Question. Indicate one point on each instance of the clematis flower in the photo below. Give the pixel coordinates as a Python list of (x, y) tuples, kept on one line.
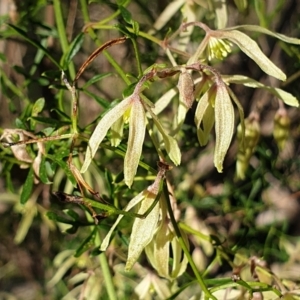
[(137, 125), (164, 251), (143, 229), (134, 107)]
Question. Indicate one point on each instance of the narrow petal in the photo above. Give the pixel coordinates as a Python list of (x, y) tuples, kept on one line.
[(170, 143), (130, 205), (286, 97), (251, 49), (204, 114), (142, 230), (101, 130), (137, 128), (224, 123), (117, 132)]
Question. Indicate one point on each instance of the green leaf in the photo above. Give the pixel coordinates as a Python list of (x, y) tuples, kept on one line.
[(20, 124), (43, 171), (55, 217), (125, 14), (135, 27), (27, 187), (87, 243), (48, 121), (96, 78), (70, 212), (36, 109), (73, 49), (103, 102), (25, 35), (64, 166)]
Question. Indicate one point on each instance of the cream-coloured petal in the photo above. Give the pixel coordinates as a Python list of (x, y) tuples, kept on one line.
[(204, 114), (170, 143), (101, 130), (224, 123), (142, 230), (130, 205), (158, 251), (251, 49), (137, 128), (286, 97), (117, 132)]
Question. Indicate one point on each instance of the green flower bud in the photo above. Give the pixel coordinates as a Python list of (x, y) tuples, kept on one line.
[(247, 144), (281, 131)]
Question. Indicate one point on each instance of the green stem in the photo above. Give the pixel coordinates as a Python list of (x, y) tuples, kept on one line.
[(92, 34), (106, 272), (62, 35), (137, 57), (184, 247)]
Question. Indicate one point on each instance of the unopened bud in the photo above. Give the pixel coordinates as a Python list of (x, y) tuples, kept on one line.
[(186, 88), (247, 144), (281, 131)]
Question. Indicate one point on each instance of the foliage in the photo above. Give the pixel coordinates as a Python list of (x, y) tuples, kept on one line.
[(144, 166)]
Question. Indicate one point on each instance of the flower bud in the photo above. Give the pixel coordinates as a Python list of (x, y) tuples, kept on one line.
[(247, 144), (281, 131), (186, 88)]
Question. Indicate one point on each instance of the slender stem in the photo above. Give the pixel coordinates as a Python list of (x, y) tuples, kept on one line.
[(92, 34), (184, 247), (61, 28), (64, 45), (106, 272), (137, 57)]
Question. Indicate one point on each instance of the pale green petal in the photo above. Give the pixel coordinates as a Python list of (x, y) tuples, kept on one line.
[(221, 13), (204, 114), (251, 49), (137, 128), (257, 28), (117, 132), (164, 101), (101, 130), (286, 97), (158, 251), (142, 230), (130, 205), (189, 13), (170, 143), (180, 260), (180, 117), (168, 13), (224, 124)]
